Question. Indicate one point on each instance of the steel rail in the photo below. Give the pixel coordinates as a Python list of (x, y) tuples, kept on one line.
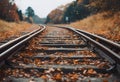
[(63, 63), (102, 47), (107, 53), (15, 45), (15, 41), (108, 43), (112, 45)]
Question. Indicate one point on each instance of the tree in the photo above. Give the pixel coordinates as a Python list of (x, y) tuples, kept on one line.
[(20, 15), (55, 16), (30, 12), (76, 11), (8, 10), (69, 13)]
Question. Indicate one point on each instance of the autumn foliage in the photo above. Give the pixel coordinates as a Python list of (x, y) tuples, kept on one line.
[(105, 5), (55, 16), (80, 9), (8, 11)]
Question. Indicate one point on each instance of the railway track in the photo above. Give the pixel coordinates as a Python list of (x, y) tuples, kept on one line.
[(58, 54)]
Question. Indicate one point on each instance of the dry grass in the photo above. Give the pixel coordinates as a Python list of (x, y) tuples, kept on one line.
[(11, 29), (105, 24)]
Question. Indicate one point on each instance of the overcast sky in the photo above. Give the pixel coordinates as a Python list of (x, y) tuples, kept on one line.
[(41, 7)]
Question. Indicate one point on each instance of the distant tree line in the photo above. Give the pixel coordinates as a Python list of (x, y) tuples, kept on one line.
[(71, 13), (81, 9)]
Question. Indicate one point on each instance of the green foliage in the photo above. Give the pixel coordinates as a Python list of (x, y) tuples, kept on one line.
[(69, 13), (20, 15), (30, 12), (76, 12), (47, 20), (86, 2)]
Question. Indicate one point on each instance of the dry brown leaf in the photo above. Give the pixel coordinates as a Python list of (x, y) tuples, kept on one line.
[(75, 77), (76, 61), (58, 76), (105, 80), (44, 77), (91, 72)]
